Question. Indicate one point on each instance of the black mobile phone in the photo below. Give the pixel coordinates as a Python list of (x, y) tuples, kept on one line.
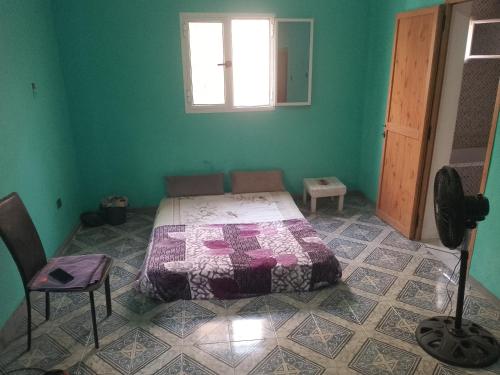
[(61, 275)]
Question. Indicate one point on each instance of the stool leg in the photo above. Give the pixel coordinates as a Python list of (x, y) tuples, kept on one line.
[(47, 305), (94, 320), (304, 196), (313, 204), (107, 289), (341, 202)]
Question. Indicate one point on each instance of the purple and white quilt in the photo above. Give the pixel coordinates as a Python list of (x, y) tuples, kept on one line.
[(236, 260)]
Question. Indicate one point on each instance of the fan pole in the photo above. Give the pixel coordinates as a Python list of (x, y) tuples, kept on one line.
[(464, 256)]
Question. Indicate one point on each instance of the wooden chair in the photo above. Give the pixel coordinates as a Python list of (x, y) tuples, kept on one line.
[(21, 237)]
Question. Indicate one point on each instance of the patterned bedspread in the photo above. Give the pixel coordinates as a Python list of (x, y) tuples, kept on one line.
[(235, 260)]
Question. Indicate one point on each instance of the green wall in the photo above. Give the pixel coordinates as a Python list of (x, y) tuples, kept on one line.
[(36, 153), (485, 260), (123, 73)]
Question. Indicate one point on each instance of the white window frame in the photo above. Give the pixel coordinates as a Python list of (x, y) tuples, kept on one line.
[(225, 19), (470, 37)]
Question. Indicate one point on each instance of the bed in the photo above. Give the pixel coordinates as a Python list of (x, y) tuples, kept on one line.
[(233, 246)]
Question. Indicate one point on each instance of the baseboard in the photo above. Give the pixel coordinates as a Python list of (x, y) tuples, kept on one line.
[(15, 326)]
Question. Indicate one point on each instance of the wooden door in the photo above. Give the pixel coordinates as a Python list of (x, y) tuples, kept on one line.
[(407, 126)]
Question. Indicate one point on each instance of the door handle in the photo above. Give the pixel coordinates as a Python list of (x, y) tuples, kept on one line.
[(227, 64)]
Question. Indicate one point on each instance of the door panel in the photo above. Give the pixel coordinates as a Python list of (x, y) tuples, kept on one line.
[(415, 53)]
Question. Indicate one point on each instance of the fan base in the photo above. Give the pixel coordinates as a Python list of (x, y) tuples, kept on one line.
[(470, 346)]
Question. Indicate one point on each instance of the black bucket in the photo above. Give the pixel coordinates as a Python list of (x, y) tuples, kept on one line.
[(115, 215)]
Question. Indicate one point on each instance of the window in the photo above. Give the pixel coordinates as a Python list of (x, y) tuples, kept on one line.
[(228, 62)]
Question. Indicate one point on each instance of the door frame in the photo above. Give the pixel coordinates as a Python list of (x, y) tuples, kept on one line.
[(435, 83), (486, 166)]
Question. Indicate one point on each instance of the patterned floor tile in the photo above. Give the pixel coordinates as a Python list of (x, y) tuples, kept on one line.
[(136, 261), (321, 336), (184, 364), (223, 303), (45, 353), (81, 369), (447, 370), (72, 249), (494, 368), (182, 321), (255, 306), (96, 236), (62, 303), (80, 326), (345, 248), (193, 309), (303, 297), (275, 304), (400, 323), (284, 361), (278, 318), (482, 312), (371, 281), (192, 323), (144, 234), (433, 269), (135, 222), (378, 358), (371, 219), (361, 232), (134, 350), (123, 247), (119, 277), (425, 296), (343, 265), (136, 302), (328, 225), (395, 239), (348, 305), (390, 259), (251, 327), (230, 353)]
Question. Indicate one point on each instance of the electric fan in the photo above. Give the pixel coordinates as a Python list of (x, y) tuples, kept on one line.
[(454, 340)]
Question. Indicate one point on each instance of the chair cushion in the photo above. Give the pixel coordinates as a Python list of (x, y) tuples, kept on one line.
[(86, 270)]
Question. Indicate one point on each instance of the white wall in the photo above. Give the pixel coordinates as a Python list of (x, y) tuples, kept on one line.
[(448, 108)]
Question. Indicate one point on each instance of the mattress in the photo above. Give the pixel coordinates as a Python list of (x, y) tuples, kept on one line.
[(233, 246), (227, 209)]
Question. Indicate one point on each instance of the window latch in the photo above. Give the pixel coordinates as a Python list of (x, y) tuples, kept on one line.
[(227, 64)]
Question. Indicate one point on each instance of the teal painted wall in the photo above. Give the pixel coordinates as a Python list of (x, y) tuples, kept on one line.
[(123, 73), (36, 153), (486, 260), (381, 23)]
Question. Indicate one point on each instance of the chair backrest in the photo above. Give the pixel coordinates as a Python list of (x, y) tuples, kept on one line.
[(21, 237)]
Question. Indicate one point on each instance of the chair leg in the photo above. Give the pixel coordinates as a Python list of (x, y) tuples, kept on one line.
[(94, 320), (47, 305), (107, 288), (28, 306)]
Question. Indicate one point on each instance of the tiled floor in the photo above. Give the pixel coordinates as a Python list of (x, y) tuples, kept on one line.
[(364, 324)]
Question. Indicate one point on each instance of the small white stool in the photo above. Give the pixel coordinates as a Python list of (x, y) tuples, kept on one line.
[(316, 189)]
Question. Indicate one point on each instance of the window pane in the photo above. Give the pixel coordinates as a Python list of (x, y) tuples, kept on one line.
[(251, 62), (206, 49)]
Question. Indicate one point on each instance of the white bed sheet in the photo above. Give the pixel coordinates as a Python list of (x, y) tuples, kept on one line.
[(227, 209)]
